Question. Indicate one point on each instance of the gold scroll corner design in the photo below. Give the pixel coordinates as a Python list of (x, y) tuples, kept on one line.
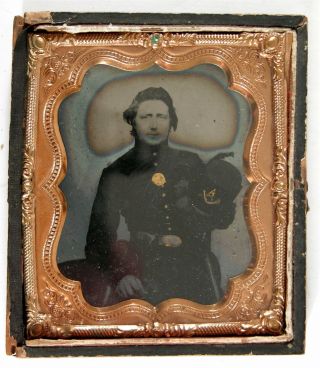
[(55, 320), (41, 324), (270, 321)]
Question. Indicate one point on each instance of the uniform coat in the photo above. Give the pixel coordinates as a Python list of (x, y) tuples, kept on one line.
[(162, 193)]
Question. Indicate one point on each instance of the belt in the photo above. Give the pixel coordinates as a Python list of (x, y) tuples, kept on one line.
[(166, 240)]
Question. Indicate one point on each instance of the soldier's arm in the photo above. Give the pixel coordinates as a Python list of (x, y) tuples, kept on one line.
[(104, 221)]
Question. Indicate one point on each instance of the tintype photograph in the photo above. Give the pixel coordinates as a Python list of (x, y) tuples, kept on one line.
[(159, 185), (155, 185)]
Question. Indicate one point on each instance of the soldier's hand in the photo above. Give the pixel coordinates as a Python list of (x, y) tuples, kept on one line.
[(130, 286)]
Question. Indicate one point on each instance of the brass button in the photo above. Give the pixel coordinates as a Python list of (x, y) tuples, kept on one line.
[(169, 228), (163, 194), (156, 164), (167, 217), (165, 206)]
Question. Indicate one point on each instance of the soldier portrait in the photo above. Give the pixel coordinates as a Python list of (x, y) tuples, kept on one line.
[(170, 202)]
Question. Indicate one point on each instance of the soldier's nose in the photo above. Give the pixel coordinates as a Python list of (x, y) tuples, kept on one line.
[(153, 125)]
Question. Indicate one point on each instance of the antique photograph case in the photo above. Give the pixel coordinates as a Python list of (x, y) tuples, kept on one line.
[(159, 186)]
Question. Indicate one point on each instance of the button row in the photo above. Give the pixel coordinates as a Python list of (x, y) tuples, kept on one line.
[(167, 216)]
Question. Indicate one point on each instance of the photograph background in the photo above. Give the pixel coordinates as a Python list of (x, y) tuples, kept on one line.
[(212, 120), (310, 8)]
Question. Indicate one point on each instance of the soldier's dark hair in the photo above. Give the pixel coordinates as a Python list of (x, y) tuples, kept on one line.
[(151, 93)]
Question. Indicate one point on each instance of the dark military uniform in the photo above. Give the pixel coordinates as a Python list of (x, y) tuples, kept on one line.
[(171, 202)]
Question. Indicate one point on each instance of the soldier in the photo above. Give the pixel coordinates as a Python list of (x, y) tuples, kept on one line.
[(171, 202)]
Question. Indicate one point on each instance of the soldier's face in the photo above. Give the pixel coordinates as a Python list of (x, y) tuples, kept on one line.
[(152, 122)]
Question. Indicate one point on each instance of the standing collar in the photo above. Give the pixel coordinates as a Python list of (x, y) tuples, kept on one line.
[(145, 153)]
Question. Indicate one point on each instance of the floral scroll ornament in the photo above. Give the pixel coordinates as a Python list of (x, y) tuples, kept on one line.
[(252, 65), (55, 322), (254, 301), (56, 66), (41, 324), (269, 321), (59, 306), (38, 48), (272, 50), (270, 47)]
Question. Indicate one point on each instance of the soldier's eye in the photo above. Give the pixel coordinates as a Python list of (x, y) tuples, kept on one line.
[(145, 116)]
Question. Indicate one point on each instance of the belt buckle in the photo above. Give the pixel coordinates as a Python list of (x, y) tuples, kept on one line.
[(170, 241)]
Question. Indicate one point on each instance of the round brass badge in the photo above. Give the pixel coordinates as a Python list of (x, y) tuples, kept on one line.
[(158, 179)]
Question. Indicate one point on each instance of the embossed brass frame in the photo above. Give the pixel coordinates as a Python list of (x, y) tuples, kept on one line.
[(257, 305)]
